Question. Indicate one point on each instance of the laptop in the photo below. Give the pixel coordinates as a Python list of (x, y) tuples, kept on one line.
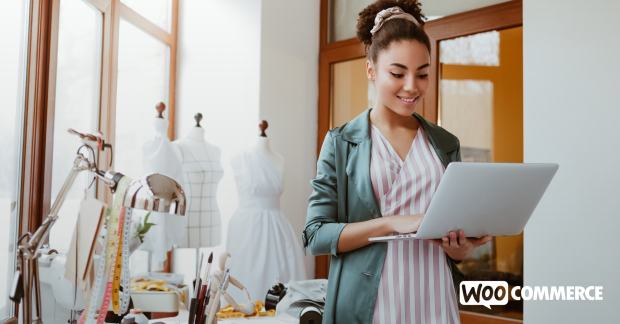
[(482, 199)]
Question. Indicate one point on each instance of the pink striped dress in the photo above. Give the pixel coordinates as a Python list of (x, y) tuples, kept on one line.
[(416, 284)]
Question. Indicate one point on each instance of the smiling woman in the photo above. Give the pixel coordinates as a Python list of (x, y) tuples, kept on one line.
[(376, 175)]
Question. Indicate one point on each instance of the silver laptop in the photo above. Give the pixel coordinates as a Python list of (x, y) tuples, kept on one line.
[(483, 198)]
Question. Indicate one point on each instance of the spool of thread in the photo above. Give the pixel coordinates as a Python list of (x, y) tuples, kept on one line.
[(310, 315)]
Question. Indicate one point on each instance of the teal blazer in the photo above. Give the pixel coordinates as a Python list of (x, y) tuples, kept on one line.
[(342, 193)]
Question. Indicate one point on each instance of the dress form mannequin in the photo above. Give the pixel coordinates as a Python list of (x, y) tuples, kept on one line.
[(202, 172), (158, 153), (158, 157), (264, 247), (263, 145)]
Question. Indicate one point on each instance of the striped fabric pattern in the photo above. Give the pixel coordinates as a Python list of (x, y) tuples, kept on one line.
[(416, 284)]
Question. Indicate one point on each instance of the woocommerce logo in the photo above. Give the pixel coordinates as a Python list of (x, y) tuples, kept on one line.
[(491, 293)]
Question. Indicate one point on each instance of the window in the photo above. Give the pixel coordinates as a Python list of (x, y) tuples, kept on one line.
[(342, 18), (113, 62), (156, 11), (68, 64), (142, 82), (480, 101), (78, 66), (13, 17)]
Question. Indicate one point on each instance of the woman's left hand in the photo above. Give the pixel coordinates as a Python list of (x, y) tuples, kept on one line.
[(458, 247)]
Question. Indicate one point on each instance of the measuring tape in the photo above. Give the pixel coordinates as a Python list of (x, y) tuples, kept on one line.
[(103, 311), (102, 288), (110, 261), (125, 275), (120, 298), (118, 265), (99, 287)]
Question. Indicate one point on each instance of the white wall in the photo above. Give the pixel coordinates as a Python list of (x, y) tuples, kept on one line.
[(571, 116), (289, 97), (245, 60), (218, 75)]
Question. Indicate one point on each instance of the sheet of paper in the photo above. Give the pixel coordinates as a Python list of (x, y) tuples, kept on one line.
[(81, 249)]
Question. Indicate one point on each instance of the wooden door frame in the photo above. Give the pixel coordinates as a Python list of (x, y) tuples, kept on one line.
[(329, 54), (496, 17), (31, 198)]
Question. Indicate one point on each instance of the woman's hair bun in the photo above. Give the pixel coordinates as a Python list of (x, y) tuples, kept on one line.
[(366, 18)]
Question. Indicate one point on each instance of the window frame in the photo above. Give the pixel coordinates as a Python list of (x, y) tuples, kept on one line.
[(113, 11)]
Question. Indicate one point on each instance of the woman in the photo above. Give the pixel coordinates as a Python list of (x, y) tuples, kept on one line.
[(376, 176)]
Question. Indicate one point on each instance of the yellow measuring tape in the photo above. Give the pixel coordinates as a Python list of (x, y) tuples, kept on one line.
[(115, 246), (118, 265), (99, 298)]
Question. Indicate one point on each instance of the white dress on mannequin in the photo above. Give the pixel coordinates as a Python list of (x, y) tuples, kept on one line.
[(263, 245), (158, 157), (202, 172)]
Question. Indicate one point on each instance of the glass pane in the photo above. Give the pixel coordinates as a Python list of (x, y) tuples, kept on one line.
[(439, 9), (343, 18), (467, 103), (13, 17), (142, 82), (79, 67), (157, 11), (481, 102), (351, 92), (478, 49)]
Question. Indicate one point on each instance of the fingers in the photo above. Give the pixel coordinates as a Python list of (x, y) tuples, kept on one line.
[(453, 240), (462, 238), (457, 239), (458, 246), (481, 240)]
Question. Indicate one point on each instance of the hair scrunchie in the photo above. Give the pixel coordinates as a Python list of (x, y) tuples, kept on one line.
[(391, 13)]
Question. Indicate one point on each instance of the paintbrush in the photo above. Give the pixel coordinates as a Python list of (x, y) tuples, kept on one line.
[(194, 300), (204, 291)]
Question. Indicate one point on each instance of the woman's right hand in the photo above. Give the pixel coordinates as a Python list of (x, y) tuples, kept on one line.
[(404, 223), (355, 235)]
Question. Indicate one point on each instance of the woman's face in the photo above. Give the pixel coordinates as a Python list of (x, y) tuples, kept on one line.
[(400, 75)]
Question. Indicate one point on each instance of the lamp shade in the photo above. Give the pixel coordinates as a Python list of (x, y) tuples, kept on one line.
[(157, 193)]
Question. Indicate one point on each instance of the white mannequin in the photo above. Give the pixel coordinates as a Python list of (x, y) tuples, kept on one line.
[(202, 171), (196, 134), (263, 145), (157, 153), (158, 157), (264, 247)]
